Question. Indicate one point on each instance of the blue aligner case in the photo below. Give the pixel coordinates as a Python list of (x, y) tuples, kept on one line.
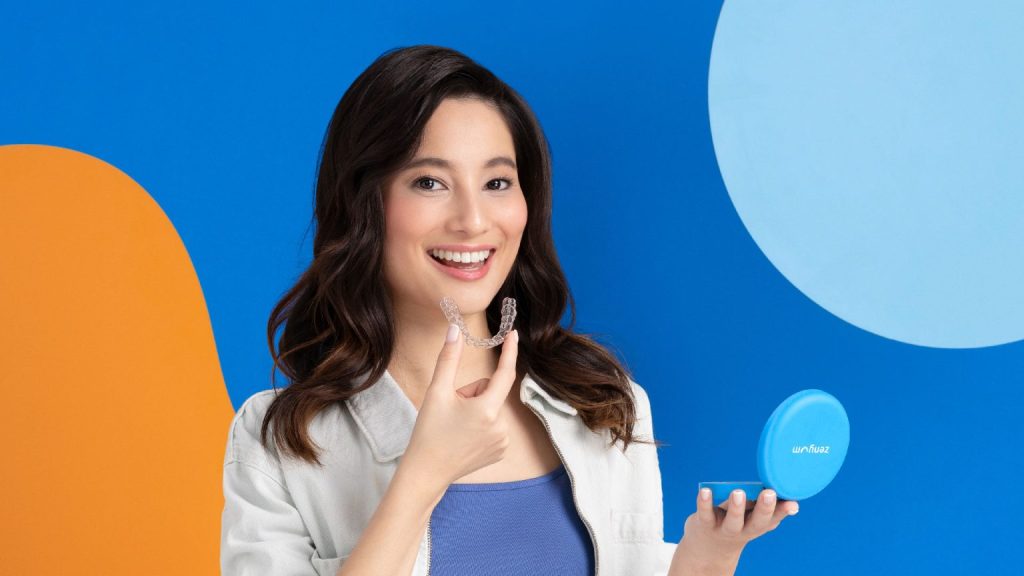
[(801, 450)]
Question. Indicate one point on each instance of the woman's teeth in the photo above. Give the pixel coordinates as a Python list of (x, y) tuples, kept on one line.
[(464, 257)]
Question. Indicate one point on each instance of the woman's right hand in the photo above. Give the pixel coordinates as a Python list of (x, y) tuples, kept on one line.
[(460, 430)]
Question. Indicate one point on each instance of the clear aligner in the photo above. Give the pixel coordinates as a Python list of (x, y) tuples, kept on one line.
[(508, 315)]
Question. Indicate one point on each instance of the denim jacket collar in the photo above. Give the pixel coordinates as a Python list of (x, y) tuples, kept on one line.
[(386, 417)]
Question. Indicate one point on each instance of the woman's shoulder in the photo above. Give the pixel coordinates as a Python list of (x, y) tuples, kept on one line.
[(642, 404), (643, 401), (328, 428), (244, 443)]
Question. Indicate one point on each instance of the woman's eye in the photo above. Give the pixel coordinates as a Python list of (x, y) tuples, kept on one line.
[(428, 180), (507, 182)]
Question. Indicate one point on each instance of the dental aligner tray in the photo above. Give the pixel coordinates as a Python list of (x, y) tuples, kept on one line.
[(508, 317)]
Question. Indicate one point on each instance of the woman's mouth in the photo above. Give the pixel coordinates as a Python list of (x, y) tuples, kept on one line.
[(463, 265)]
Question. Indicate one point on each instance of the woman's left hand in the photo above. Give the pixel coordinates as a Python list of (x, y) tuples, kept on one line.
[(716, 535)]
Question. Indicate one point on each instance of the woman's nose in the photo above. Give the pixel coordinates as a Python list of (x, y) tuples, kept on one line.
[(469, 214)]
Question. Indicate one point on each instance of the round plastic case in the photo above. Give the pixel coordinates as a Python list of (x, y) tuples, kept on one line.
[(802, 448)]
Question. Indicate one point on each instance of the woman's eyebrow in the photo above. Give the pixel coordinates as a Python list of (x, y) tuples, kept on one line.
[(442, 163)]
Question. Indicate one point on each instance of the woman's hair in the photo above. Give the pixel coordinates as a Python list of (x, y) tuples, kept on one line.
[(338, 317)]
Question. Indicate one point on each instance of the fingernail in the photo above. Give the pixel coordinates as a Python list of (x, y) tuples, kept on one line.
[(769, 497), (737, 496), (453, 333), (705, 494), (793, 511)]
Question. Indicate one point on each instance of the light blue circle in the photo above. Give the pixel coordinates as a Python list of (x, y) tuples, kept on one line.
[(875, 152)]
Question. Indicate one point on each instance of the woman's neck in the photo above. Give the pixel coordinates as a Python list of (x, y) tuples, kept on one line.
[(418, 344)]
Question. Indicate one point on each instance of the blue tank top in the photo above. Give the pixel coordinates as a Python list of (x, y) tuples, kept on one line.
[(510, 528)]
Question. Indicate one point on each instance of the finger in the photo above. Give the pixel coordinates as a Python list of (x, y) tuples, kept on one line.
[(782, 511), (748, 505), (505, 374), (761, 518), (473, 388), (734, 517), (786, 508), (705, 509), (447, 361)]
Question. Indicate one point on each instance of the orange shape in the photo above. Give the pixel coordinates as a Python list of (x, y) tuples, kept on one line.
[(115, 410)]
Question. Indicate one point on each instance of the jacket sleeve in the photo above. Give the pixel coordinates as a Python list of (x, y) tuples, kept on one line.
[(262, 532), (664, 551)]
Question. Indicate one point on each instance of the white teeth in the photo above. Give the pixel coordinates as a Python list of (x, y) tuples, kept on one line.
[(478, 256)]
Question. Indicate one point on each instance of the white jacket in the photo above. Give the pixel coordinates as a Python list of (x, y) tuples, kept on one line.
[(289, 518)]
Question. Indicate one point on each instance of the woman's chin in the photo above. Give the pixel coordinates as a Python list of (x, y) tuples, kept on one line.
[(469, 302)]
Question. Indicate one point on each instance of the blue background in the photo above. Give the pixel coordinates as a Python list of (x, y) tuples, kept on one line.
[(218, 111)]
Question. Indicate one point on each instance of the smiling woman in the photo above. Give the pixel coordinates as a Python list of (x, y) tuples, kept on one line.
[(434, 183)]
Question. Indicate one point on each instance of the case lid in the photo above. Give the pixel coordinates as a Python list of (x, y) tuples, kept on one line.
[(803, 444)]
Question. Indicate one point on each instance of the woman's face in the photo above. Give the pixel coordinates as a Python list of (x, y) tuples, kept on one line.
[(460, 193)]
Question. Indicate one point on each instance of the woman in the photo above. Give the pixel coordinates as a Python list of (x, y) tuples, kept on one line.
[(385, 455)]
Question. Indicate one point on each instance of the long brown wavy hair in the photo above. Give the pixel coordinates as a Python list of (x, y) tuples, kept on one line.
[(338, 322)]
